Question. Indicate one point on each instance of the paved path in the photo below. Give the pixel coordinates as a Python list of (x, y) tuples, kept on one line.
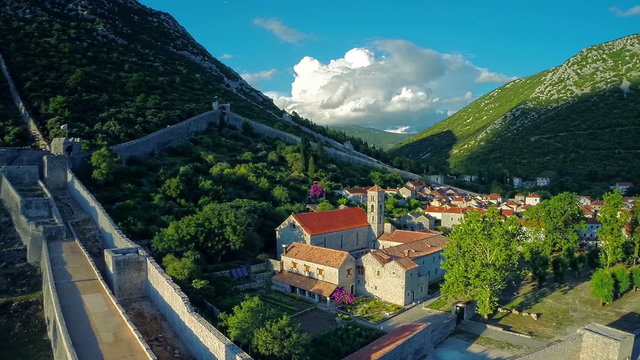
[(96, 328)]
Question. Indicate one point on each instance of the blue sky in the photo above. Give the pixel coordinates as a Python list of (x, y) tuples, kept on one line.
[(403, 55)]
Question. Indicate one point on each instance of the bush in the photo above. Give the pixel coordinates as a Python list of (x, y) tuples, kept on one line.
[(602, 286), (622, 280)]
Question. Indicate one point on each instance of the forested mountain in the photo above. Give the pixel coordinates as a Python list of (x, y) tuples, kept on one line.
[(578, 123), (113, 70)]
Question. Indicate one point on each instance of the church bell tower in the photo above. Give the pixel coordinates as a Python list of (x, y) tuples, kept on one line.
[(375, 210)]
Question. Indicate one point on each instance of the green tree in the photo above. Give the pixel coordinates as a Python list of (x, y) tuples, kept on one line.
[(104, 163), (602, 286), (246, 318), (481, 254), (281, 339), (635, 277), (622, 279), (281, 194), (183, 269), (556, 223), (610, 235), (634, 225), (312, 166), (325, 205)]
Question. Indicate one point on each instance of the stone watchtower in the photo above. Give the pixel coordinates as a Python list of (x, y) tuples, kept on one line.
[(375, 210)]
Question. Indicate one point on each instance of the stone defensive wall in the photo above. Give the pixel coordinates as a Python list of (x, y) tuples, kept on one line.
[(33, 128), (132, 273), (180, 132), (592, 342), (34, 218), (56, 326)]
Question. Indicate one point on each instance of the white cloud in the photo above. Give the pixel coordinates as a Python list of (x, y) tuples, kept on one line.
[(253, 78), (400, 130), (226, 56), (281, 30), (622, 13), (392, 85)]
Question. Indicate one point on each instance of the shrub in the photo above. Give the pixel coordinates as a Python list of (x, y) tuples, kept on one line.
[(602, 286), (622, 280)]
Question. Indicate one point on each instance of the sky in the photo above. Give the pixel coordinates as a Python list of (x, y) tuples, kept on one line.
[(394, 65)]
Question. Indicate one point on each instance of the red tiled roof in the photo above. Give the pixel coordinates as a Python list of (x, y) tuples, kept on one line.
[(597, 203), (533, 195), (452, 210), (306, 283), (519, 194), (404, 236), (410, 251), (357, 190), (323, 222), (508, 213), (316, 254), (375, 188), (494, 196), (386, 343)]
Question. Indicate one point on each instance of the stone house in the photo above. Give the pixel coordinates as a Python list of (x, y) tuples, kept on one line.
[(358, 194), (401, 274), (399, 237), (532, 199), (314, 272), (520, 197), (349, 229), (416, 221), (407, 193), (417, 186)]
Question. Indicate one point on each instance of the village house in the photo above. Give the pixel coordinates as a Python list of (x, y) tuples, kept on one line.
[(494, 198), (532, 199), (401, 274), (399, 237), (622, 186), (357, 194), (407, 193), (349, 229), (597, 205), (448, 216), (416, 221), (417, 186), (584, 200), (314, 272), (520, 197), (543, 181), (590, 233)]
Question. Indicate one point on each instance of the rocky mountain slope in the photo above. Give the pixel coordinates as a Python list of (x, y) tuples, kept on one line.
[(578, 123), (114, 70)]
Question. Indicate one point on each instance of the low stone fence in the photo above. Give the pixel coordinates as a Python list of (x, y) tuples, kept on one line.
[(475, 327)]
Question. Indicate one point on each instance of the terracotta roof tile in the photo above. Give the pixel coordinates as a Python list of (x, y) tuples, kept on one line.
[(386, 343), (316, 254), (404, 236), (323, 222), (404, 254), (375, 188), (533, 195), (306, 283)]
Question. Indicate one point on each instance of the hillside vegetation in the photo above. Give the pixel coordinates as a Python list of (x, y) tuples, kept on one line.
[(114, 70), (577, 123)]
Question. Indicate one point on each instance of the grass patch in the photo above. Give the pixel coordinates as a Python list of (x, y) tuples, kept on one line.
[(338, 343), (438, 304), (565, 308), (373, 310)]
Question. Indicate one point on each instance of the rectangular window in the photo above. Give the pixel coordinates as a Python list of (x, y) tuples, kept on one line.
[(375, 287), (293, 225), (378, 273), (360, 269), (306, 268), (433, 259), (436, 271), (340, 241), (421, 289), (320, 271), (294, 265), (349, 272)]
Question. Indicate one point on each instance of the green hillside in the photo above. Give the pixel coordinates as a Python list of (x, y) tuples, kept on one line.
[(113, 70), (578, 123), (379, 138)]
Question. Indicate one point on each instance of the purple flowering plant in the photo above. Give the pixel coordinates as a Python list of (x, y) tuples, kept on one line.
[(341, 296), (316, 192)]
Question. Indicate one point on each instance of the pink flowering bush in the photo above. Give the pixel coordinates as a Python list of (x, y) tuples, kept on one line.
[(316, 192), (341, 296)]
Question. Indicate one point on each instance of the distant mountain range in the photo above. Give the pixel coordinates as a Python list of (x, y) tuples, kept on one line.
[(379, 138), (578, 123)]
